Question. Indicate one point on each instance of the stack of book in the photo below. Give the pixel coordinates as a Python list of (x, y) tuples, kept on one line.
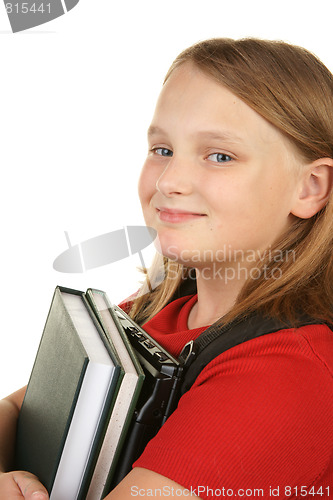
[(100, 388)]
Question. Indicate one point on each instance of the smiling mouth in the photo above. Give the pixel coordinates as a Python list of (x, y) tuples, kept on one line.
[(176, 215)]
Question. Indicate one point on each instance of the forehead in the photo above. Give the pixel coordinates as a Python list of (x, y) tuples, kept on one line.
[(190, 100)]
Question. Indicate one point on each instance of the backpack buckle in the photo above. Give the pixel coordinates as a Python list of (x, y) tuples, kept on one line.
[(188, 353)]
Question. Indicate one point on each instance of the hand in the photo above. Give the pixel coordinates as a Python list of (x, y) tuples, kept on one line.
[(20, 484)]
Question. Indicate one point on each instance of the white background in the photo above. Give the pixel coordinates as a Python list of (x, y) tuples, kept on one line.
[(76, 97)]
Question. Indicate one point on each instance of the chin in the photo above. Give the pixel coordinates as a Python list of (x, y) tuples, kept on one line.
[(175, 246), (174, 253)]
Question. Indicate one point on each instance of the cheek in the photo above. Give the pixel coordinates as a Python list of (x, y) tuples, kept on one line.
[(239, 204), (227, 197), (141, 189), (144, 185), (146, 191)]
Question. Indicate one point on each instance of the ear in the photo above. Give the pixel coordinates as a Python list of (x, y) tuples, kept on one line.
[(314, 189)]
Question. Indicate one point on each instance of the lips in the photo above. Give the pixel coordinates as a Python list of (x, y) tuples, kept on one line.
[(175, 215)]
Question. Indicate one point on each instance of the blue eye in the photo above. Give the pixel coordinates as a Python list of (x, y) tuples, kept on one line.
[(220, 157), (163, 151)]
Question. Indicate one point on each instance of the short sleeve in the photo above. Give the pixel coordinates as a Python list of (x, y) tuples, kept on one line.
[(258, 417)]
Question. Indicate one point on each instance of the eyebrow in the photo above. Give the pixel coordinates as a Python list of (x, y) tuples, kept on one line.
[(154, 130), (219, 135)]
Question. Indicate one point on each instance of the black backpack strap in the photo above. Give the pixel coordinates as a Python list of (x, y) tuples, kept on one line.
[(217, 339)]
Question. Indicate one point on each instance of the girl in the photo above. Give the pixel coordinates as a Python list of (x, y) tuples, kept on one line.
[(237, 183)]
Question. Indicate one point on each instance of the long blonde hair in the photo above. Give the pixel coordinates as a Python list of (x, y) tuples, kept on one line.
[(293, 90)]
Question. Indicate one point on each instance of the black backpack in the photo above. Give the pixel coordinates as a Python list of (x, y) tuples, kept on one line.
[(217, 339)]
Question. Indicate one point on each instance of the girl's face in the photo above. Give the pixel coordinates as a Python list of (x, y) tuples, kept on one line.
[(218, 179)]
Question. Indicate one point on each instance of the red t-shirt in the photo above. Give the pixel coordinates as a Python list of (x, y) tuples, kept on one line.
[(258, 421)]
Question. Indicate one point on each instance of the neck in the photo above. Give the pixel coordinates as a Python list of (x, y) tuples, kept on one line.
[(216, 296)]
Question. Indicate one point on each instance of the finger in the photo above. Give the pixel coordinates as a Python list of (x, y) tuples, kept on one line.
[(9, 488), (30, 486)]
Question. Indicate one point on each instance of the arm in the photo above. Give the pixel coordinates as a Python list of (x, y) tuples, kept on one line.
[(18, 484), (145, 483), (9, 412)]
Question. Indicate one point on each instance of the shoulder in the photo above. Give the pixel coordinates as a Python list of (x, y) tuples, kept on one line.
[(304, 348), (289, 370), (276, 389)]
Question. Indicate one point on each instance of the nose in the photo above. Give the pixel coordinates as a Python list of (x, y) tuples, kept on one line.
[(176, 178)]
